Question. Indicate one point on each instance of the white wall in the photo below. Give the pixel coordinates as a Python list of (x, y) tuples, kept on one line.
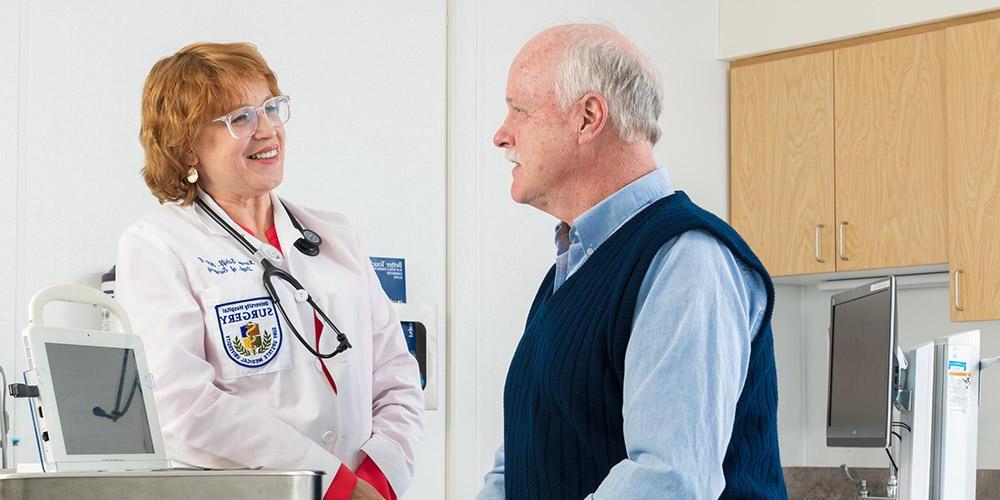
[(9, 13), (367, 138), (923, 316), (499, 250), (787, 323), (749, 28)]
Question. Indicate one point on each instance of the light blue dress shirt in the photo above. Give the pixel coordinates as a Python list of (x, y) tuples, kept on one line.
[(697, 312)]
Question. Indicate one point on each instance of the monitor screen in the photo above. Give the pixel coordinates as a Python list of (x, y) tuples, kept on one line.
[(100, 400), (862, 341)]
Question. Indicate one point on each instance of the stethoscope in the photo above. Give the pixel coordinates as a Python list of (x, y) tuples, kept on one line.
[(267, 255)]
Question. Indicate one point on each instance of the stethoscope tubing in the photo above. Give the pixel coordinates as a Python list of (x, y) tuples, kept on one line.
[(270, 271)]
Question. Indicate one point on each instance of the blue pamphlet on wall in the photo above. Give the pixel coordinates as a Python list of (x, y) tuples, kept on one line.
[(391, 272)]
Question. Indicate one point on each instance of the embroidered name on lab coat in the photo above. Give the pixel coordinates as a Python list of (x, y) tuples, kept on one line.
[(251, 333), (228, 265)]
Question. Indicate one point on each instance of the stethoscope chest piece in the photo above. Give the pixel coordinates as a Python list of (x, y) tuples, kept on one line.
[(270, 253), (309, 242), (312, 237)]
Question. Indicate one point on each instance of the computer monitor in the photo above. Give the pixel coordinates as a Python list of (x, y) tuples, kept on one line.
[(95, 408), (862, 348)]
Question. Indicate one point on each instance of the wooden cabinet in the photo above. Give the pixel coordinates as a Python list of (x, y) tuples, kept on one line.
[(973, 110), (782, 162), (892, 141), (838, 157), (891, 194)]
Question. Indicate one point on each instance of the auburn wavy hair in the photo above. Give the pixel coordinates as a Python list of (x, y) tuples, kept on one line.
[(182, 94)]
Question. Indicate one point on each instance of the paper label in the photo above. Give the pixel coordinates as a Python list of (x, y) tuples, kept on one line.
[(959, 381)]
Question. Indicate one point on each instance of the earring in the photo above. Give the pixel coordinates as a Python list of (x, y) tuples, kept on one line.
[(192, 176)]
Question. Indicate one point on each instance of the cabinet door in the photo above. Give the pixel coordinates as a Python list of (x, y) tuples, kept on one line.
[(890, 153), (781, 166), (974, 169)]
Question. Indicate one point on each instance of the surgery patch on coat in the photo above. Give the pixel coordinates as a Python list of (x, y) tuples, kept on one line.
[(251, 333)]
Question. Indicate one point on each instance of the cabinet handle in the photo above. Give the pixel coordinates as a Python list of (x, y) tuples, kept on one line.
[(958, 302), (841, 251), (819, 244)]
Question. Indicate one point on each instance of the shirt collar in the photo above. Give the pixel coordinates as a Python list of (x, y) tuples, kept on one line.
[(598, 223)]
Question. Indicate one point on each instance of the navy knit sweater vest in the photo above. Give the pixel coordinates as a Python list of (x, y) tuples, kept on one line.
[(563, 395)]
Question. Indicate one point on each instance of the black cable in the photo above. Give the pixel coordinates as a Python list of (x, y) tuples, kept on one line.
[(900, 438), (119, 411), (121, 380), (893, 462), (903, 425)]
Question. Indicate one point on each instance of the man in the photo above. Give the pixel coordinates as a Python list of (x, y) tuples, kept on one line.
[(646, 368)]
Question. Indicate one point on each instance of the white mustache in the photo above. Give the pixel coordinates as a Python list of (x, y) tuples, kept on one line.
[(512, 156)]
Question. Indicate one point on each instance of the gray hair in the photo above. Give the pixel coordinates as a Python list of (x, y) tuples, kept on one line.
[(631, 87)]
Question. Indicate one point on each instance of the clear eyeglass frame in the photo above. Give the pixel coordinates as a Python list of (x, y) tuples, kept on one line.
[(242, 122)]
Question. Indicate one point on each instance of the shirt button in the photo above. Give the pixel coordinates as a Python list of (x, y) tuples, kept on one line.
[(329, 436), (590, 251), (318, 365)]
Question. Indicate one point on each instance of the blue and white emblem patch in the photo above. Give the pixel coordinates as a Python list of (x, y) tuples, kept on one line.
[(251, 333)]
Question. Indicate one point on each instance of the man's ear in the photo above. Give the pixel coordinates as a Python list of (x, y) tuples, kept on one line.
[(594, 116)]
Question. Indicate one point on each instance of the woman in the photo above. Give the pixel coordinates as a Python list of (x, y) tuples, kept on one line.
[(236, 382)]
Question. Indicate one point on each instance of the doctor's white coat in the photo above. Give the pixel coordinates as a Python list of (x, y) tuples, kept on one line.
[(233, 386)]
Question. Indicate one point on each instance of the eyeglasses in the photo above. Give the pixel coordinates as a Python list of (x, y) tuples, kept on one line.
[(242, 123)]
